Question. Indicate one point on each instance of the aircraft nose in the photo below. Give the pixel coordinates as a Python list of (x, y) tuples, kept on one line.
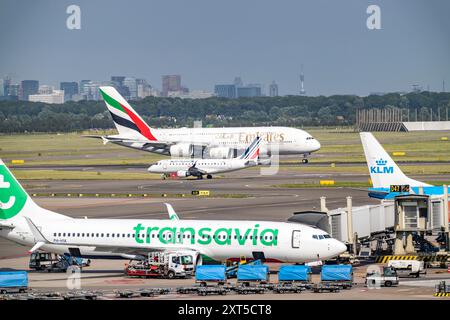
[(339, 247), (316, 145)]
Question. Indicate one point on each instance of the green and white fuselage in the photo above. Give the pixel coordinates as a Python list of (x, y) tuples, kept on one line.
[(24, 222)]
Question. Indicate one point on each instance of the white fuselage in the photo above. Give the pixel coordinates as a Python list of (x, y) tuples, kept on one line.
[(209, 166), (281, 140), (216, 239)]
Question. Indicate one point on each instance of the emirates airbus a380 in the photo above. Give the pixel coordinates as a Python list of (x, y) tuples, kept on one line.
[(216, 143)]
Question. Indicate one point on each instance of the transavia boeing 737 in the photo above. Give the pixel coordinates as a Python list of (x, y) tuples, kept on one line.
[(24, 222), (388, 180), (216, 143), (200, 167)]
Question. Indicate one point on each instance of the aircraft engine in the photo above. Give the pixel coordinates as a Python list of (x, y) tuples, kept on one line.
[(182, 150), (221, 153), (183, 174)]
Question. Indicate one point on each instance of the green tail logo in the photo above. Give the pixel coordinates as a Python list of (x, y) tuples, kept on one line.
[(12, 196)]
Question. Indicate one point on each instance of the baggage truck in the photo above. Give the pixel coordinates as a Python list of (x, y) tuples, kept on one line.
[(210, 273), (340, 275), (293, 278), (247, 274), (13, 281), (294, 273)]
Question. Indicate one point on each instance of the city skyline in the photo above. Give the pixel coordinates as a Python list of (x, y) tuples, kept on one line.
[(265, 41)]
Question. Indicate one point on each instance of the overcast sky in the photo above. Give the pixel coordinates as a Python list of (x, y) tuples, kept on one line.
[(210, 42)]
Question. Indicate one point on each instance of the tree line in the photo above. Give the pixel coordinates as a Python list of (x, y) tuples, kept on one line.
[(296, 111)]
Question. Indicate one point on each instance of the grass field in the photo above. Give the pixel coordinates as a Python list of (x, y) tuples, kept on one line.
[(338, 146)]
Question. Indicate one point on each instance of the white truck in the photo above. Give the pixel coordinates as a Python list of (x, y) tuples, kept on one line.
[(386, 278), (167, 264), (408, 268)]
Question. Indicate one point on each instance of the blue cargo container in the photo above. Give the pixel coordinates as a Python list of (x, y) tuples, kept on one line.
[(339, 272), (294, 273), (210, 273), (13, 281), (253, 273)]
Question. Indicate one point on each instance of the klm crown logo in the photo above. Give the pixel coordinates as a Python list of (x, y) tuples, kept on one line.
[(381, 167)]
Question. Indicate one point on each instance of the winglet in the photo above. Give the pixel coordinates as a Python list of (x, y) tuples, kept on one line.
[(172, 214)]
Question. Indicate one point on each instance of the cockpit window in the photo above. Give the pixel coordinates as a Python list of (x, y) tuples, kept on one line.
[(321, 236), (309, 138)]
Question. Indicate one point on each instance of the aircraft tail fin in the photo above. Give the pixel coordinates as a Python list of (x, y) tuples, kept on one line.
[(384, 172), (15, 201), (127, 121), (252, 151)]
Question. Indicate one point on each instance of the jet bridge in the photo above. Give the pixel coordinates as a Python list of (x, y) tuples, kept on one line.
[(401, 220)]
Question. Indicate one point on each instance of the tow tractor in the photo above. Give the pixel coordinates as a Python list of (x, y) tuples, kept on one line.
[(167, 264), (55, 263), (387, 279)]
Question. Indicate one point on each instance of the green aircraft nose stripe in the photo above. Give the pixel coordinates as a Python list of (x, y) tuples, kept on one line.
[(12, 196)]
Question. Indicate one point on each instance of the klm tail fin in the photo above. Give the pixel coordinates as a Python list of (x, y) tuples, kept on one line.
[(252, 151), (384, 172), (14, 200), (126, 119)]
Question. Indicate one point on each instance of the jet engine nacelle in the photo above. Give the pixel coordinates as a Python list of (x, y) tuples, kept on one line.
[(183, 174), (182, 150), (221, 153)]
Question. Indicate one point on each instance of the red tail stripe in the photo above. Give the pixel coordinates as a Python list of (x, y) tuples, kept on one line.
[(143, 127)]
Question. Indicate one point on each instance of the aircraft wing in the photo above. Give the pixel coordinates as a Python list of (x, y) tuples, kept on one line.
[(157, 144), (4, 225)]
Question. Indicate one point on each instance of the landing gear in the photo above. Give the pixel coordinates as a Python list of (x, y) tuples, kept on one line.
[(305, 161), (209, 176)]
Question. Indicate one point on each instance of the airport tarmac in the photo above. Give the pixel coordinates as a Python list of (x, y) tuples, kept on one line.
[(107, 277), (263, 200)]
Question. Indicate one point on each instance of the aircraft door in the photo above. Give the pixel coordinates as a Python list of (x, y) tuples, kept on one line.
[(296, 239)]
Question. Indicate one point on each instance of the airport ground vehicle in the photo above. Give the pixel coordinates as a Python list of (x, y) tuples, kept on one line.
[(340, 276), (13, 281), (248, 274), (168, 264), (293, 278), (210, 273), (388, 278), (55, 263), (407, 268)]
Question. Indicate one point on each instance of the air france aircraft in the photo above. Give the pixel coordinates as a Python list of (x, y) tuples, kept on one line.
[(388, 180), (216, 143), (200, 167), (26, 223)]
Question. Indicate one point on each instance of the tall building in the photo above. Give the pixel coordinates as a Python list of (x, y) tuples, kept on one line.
[(131, 84), (249, 91), (117, 80), (13, 91), (70, 89), (2, 88), (302, 82), (171, 83), (273, 89), (225, 90), (45, 89), (82, 89), (28, 87), (57, 96)]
